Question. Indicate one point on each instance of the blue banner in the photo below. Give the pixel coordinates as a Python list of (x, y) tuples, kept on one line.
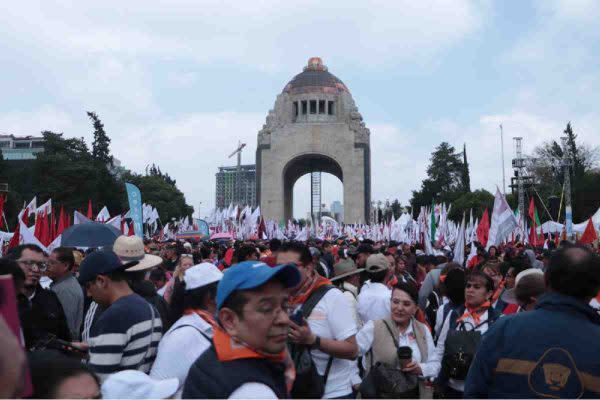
[(202, 226), (135, 208)]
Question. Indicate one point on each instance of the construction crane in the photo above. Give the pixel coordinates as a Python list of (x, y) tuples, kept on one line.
[(237, 191)]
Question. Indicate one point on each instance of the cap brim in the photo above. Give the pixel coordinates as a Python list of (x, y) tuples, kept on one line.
[(124, 267), (149, 261), (338, 277), (288, 274), (164, 389), (509, 296)]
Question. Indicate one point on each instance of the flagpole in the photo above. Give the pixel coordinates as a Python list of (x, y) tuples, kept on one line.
[(502, 152)]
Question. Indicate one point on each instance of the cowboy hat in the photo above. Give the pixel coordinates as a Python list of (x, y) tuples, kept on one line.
[(131, 248)]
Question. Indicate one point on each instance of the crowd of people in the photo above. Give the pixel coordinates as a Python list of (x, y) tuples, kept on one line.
[(310, 319)]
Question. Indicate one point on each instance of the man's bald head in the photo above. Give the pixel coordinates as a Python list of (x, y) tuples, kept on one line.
[(574, 271)]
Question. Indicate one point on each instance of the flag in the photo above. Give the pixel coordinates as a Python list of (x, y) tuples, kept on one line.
[(483, 229), (90, 215), (79, 218), (459, 247), (432, 227), (46, 207), (589, 235), (62, 225), (103, 215), (503, 221), (2, 200), (16, 238)]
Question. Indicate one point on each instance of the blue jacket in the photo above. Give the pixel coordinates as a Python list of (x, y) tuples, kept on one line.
[(552, 351)]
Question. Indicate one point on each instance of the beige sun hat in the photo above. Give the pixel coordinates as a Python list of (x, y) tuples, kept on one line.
[(131, 248)]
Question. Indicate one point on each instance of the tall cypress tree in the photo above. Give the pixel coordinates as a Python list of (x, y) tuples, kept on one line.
[(100, 146), (466, 179)]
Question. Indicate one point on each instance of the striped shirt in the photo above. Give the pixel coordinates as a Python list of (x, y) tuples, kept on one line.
[(125, 337)]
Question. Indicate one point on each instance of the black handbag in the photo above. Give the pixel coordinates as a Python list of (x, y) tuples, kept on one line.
[(309, 384), (387, 381)]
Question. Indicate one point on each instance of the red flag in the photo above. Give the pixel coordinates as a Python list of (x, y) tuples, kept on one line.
[(122, 225), (37, 231), (45, 234), (89, 211), (2, 200), (556, 239), (533, 238), (131, 232), (483, 229), (532, 209), (61, 222), (52, 226), (25, 216), (16, 239), (589, 235), (262, 229)]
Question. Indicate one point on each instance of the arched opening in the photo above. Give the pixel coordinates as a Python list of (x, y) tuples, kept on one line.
[(303, 165), (332, 190)]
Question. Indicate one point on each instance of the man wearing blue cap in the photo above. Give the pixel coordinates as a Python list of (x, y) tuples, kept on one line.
[(127, 333), (248, 357)]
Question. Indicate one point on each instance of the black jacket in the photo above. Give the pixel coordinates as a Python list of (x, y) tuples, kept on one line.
[(210, 378), (147, 290), (42, 317)]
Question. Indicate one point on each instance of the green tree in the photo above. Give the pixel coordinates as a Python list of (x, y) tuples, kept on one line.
[(396, 209), (100, 146), (465, 177), (477, 201), (445, 178), (156, 190)]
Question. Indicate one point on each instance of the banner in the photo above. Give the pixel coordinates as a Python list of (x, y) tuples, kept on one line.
[(135, 208), (202, 226)]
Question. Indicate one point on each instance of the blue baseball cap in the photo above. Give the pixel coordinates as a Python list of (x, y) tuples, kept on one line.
[(101, 262), (252, 274)]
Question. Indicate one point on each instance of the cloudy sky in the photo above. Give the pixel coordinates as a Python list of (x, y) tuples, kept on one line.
[(180, 82)]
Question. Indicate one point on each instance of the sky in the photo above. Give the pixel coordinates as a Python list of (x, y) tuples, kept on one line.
[(178, 83)]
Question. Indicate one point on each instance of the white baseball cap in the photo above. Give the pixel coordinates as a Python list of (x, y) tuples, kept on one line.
[(133, 384), (201, 275)]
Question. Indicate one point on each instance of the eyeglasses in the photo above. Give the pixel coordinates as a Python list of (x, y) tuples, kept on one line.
[(42, 266)]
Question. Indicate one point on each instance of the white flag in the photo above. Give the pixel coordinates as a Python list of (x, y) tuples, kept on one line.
[(503, 221), (103, 215), (46, 207), (459, 247), (79, 218)]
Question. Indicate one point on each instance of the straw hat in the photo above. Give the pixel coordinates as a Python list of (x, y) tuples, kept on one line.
[(131, 248)]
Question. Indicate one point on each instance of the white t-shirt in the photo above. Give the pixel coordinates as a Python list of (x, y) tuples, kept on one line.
[(332, 318), (180, 347), (253, 390), (374, 302), (366, 335)]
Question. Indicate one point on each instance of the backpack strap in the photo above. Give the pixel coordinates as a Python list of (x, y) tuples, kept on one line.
[(307, 309), (196, 328), (314, 299), (394, 339)]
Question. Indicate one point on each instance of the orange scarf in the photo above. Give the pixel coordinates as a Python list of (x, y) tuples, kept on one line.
[(307, 288), (475, 313), (393, 281), (498, 292), (229, 349), (205, 315)]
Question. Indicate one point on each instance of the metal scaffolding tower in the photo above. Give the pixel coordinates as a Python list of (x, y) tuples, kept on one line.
[(519, 165), (315, 196)]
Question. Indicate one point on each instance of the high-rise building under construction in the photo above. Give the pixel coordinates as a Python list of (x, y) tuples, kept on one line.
[(235, 186)]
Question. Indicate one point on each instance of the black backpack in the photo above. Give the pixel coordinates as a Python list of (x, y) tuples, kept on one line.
[(309, 384), (461, 346)]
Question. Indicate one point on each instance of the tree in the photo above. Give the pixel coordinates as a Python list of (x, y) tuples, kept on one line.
[(396, 209), (156, 190), (100, 146), (477, 201), (465, 178), (445, 178)]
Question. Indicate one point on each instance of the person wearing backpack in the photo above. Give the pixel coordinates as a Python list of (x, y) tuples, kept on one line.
[(461, 333), (322, 330), (384, 341), (193, 306)]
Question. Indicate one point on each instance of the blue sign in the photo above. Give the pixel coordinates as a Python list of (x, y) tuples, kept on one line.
[(135, 208), (202, 226)]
